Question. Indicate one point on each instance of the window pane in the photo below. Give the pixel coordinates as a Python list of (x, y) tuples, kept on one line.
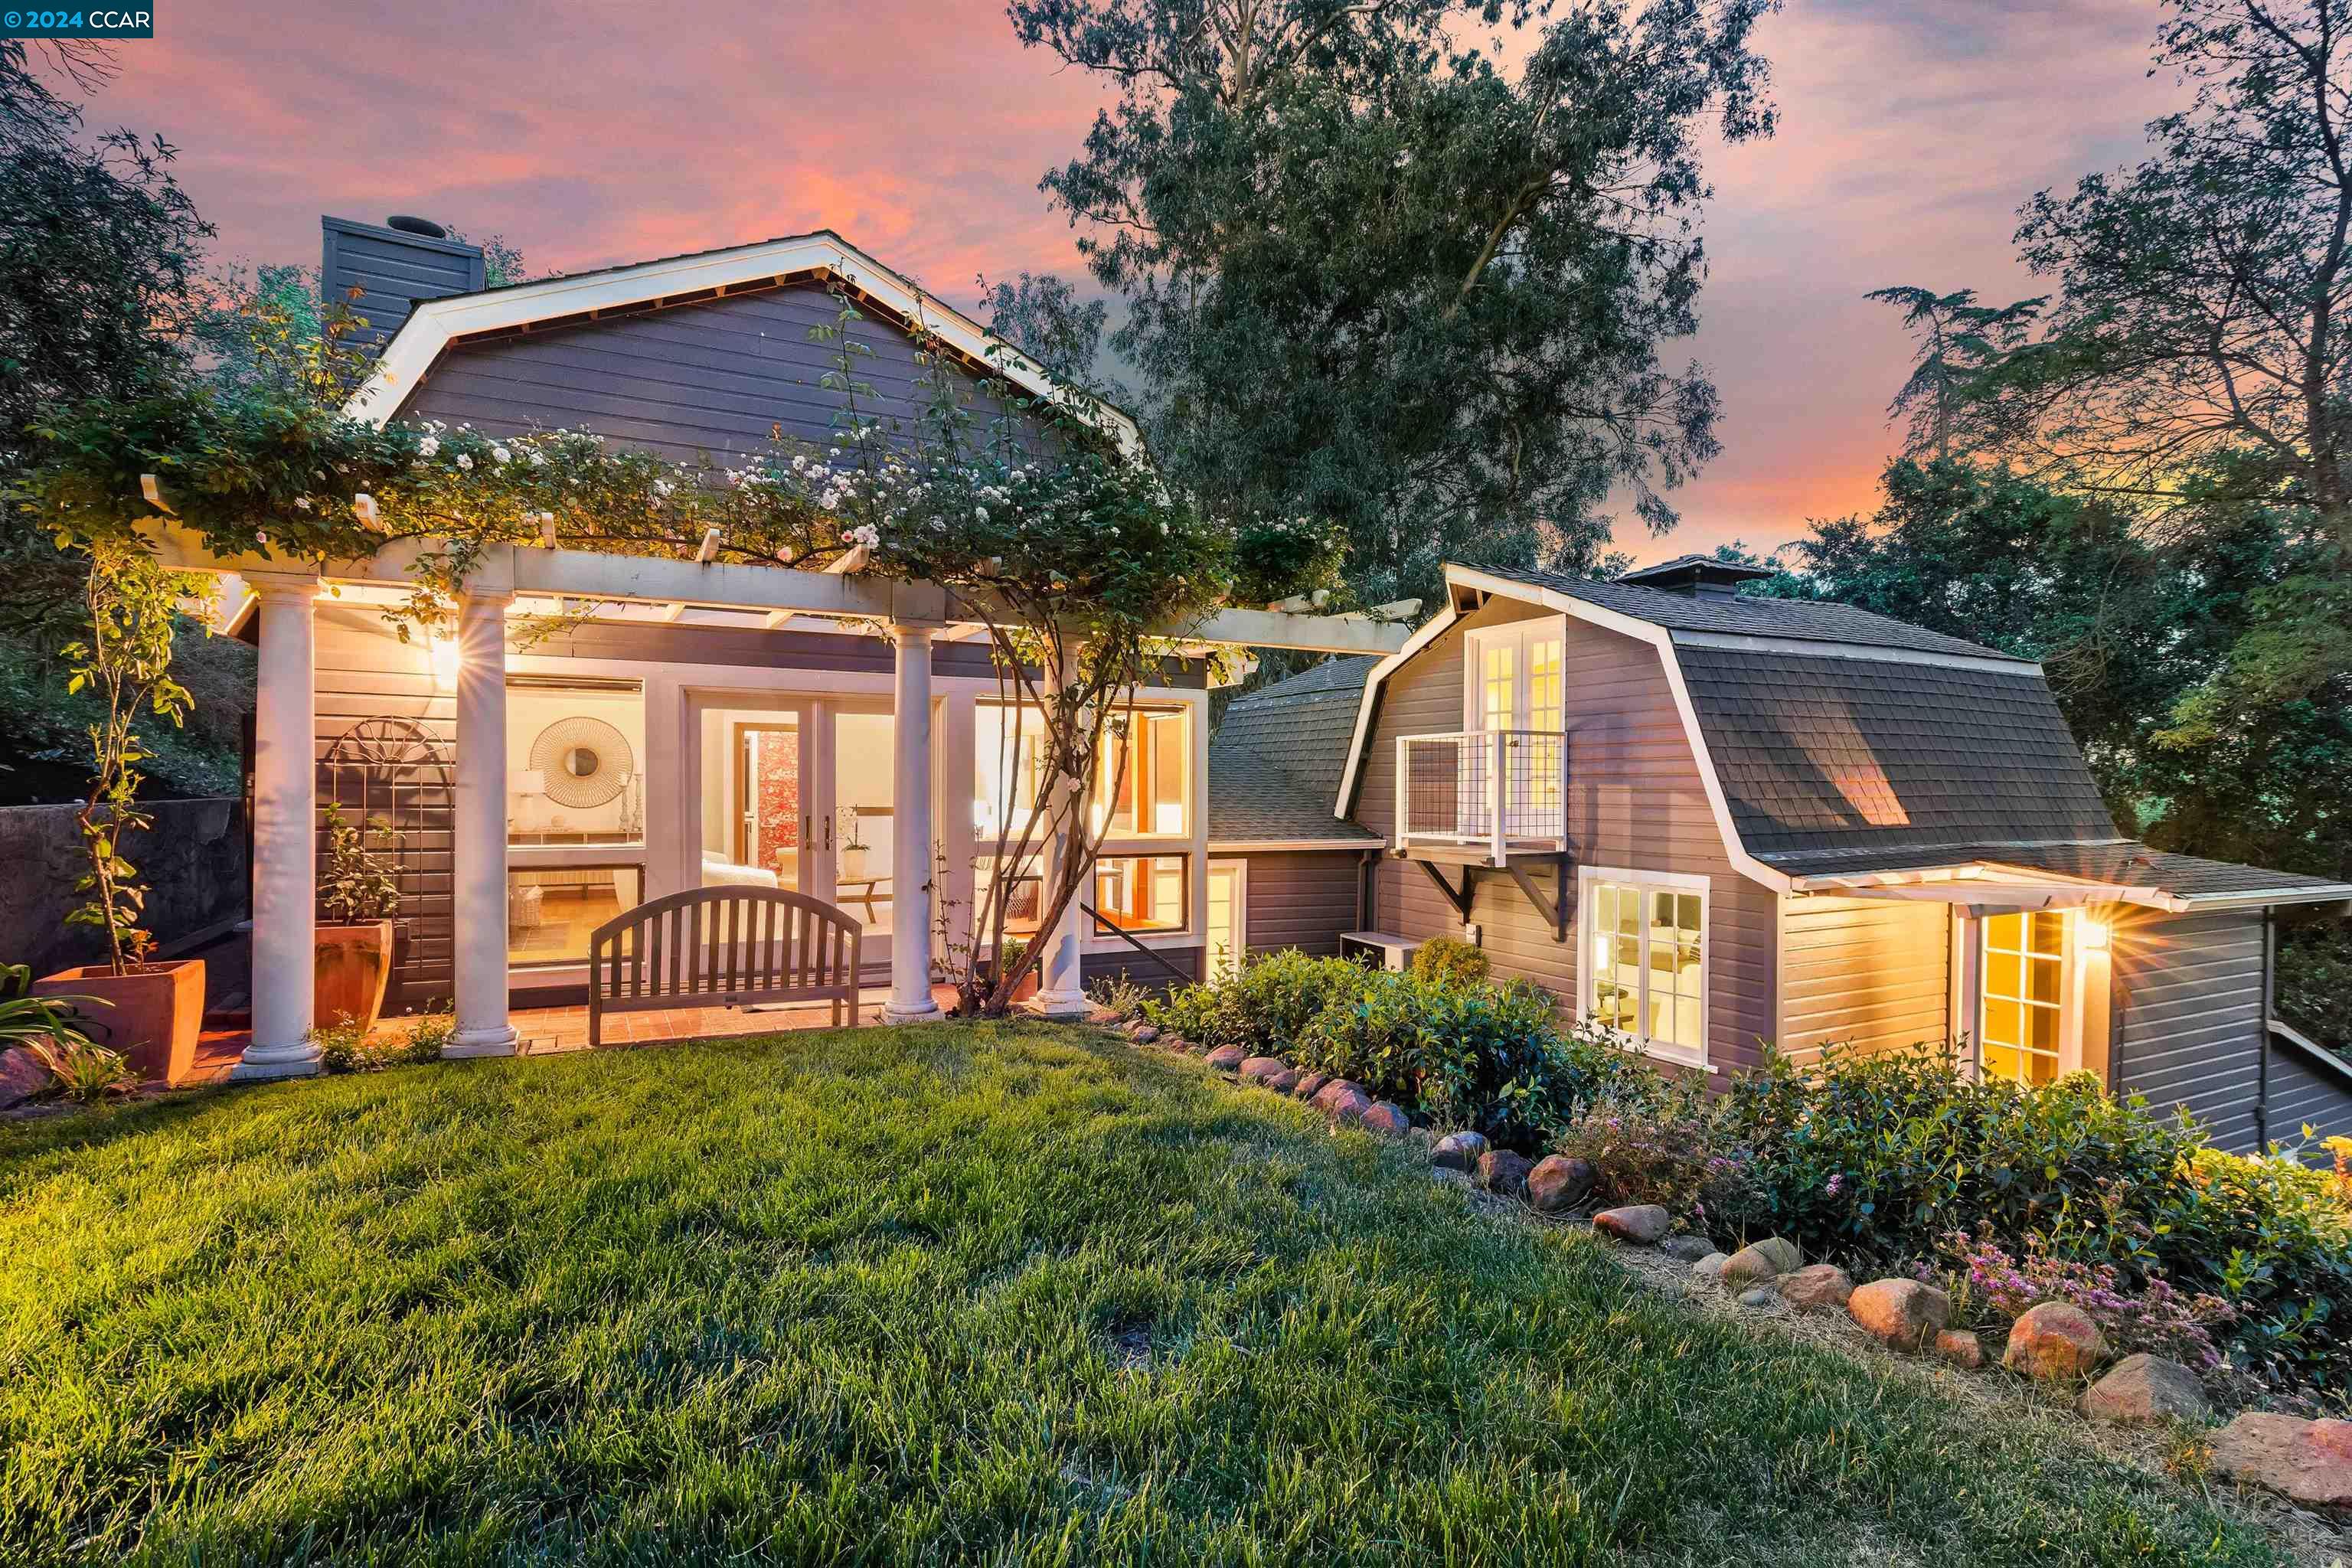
[(551, 910), (2040, 1069), (2050, 931), (2000, 1022), (1546, 707), (1009, 769), (1140, 892), (2041, 973), (2041, 1028), (1687, 1031), (1686, 917), (575, 762), (1024, 898), (2000, 1062), (2006, 932), (2002, 971)]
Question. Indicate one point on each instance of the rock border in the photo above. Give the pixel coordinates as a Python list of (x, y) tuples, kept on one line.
[(2051, 1347)]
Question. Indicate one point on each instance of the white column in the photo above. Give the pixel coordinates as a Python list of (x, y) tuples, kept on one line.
[(480, 830), (912, 864), (285, 833), (1061, 988)]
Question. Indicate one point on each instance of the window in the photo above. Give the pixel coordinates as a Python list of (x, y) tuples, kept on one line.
[(576, 761), (1009, 769), (2023, 1023), (1145, 780), (551, 910), (1141, 893), (1645, 946)]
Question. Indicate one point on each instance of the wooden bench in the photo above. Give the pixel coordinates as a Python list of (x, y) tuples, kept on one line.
[(722, 947)]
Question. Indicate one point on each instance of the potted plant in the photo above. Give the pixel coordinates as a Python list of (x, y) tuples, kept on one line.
[(358, 895), (152, 1011)]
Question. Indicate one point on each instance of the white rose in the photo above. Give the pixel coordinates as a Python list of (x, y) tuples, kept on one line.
[(464, 461), (428, 446), (499, 455)]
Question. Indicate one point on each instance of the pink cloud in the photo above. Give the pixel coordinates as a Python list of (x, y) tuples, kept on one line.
[(602, 133)]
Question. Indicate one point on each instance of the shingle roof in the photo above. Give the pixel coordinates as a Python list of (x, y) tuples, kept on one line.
[(1836, 754), (1276, 759), (1806, 620)]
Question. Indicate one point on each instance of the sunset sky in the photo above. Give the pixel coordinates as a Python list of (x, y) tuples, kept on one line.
[(592, 133)]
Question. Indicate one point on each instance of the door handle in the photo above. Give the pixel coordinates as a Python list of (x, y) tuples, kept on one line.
[(828, 830)]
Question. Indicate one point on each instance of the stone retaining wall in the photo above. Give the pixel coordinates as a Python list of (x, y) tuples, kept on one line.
[(193, 861)]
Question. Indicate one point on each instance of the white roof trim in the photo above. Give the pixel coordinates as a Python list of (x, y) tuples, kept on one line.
[(1743, 643), (2326, 893), (1657, 637), (1295, 846), (436, 323)]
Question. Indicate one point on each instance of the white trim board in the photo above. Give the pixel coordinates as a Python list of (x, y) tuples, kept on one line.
[(435, 324)]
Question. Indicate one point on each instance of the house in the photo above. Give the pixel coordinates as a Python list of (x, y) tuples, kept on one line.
[(1284, 872), (1714, 821), (604, 731)]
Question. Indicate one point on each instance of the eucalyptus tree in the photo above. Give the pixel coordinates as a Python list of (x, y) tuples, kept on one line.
[(1958, 340), (1374, 273)]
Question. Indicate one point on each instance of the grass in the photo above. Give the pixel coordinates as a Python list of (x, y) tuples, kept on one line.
[(947, 1294)]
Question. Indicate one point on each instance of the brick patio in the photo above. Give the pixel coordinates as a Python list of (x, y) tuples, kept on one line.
[(551, 1031)]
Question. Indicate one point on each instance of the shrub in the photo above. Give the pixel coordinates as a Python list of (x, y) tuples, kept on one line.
[(1987, 1284), (1482, 1057), (1119, 996), (347, 1047), (85, 1070), (1442, 958), (1263, 1009), (1653, 1141), (1883, 1155)]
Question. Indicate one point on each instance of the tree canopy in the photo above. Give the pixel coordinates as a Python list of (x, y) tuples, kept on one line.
[(1375, 277)]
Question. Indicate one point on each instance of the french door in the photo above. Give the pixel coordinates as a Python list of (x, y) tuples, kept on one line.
[(797, 794), (1518, 685)]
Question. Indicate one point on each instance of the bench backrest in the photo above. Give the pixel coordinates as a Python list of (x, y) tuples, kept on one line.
[(727, 946)]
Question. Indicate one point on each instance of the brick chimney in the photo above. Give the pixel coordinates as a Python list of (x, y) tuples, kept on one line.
[(397, 266)]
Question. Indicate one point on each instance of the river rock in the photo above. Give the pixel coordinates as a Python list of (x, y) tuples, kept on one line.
[(1500, 1171), (1822, 1285), (1226, 1058), (2308, 1461), (2056, 1344), (1901, 1313), (1686, 1248), (1759, 1261), (1262, 1069), (1559, 1182), (2142, 1388), (1459, 1150), (1644, 1225)]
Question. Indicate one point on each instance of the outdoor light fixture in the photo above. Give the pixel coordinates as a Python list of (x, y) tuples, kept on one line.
[(2094, 936)]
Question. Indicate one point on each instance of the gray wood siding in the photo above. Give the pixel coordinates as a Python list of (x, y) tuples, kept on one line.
[(1304, 901), (2305, 1093), (704, 381), (2187, 1024), (1873, 974), (392, 271), (365, 672), (1635, 802), (1131, 966)]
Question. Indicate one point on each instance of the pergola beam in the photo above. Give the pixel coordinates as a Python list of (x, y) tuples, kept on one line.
[(649, 579)]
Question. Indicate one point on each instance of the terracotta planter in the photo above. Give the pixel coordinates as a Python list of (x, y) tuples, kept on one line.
[(353, 964), (156, 1014)]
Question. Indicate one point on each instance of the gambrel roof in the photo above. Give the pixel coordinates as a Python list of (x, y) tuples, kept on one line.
[(1838, 747)]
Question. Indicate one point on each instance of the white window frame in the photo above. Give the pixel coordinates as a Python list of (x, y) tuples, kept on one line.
[(1647, 883), (1475, 642), (1239, 867)]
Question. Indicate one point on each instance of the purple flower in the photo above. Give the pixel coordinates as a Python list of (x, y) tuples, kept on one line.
[(1837, 1184)]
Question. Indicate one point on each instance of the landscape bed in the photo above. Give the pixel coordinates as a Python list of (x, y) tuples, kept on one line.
[(939, 1294)]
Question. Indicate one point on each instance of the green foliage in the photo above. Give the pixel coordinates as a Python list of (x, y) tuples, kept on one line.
[(125, 664), (1388, 265), (346, 1046), (1960, 340), (2315, 980), (1884, 1157), (27, 1019), (86, 1072), (1266, 1007), (355, 885), (1122, 997), (1453, 962), (1471, 1055)]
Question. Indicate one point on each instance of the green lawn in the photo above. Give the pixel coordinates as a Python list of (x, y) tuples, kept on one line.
[(942, 1294)]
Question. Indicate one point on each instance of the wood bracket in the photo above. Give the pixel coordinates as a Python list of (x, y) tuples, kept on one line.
[(1557, 912), (1460, 901)]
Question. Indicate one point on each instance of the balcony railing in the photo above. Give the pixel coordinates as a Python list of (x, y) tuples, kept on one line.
[(1499, 789)]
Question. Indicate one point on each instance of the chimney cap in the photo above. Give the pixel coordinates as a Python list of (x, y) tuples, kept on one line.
[(407, 224), (1697, 576)]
